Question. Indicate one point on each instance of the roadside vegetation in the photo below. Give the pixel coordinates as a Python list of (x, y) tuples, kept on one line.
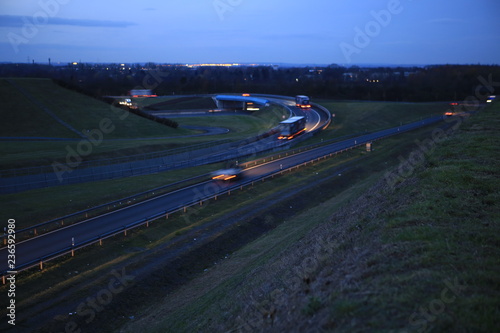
[(131, 134), (357, 117), (265, 209), (417, 255), (345, 246)]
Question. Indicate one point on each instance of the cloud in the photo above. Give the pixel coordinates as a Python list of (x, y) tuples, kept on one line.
[(18, 21)]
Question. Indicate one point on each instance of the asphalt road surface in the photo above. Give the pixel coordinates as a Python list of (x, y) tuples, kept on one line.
[(30, 251), (147, 166)]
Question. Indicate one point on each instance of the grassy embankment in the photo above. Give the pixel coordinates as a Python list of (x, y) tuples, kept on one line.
[(40, 205), (411, 251), (355, 117), (130, 135), (93, 263)]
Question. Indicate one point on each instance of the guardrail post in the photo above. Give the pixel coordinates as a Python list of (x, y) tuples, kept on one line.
[(185, 208), (3, 279), (62, 222), (100, 241), (41, 265), (34, 231), (125, 232), (72, 252)]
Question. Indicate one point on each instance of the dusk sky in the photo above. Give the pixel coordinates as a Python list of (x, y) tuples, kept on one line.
[(343, 32)]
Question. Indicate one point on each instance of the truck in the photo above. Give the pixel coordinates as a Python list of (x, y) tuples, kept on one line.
[(302, 102), (292, 127)]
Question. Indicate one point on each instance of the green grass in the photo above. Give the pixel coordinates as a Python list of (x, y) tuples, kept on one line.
[(92, 263), (391, 253), (181, 104), (80, 111), (219, 302), (34, 154), (359, 117), (92, 270), (40, 205), (135, 134), (20, 117)]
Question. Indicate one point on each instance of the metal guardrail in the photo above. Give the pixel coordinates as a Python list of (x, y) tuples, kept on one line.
[(200, 201), (16, 172), (64, 221), (145, 221), (60, 221)]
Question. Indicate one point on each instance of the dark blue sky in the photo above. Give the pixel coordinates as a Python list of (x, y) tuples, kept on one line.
[(245, 31)]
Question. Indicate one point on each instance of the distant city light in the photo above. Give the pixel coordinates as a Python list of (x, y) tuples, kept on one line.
[(211, 65)]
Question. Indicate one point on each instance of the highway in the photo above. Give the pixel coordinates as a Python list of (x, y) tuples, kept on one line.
[(30, 251), (223, 152)]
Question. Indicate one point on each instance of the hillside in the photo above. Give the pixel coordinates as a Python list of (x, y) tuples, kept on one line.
[(40, 102), (419, 251)]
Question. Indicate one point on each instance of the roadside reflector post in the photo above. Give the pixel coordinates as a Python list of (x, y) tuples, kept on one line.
[(72, 252), (368, 146), (125, 232), (62, 222), (35, 232), (215, 198), (185, 209), (3, 279), (201, 203), (41, 265), (100, 241)]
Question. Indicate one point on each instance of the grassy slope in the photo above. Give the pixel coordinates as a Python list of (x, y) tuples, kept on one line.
[(80, 111), (21, 117), (84, 113), (355, 117), (422, 255)]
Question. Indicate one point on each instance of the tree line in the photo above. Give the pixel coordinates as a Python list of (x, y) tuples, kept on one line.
[(412, 84)]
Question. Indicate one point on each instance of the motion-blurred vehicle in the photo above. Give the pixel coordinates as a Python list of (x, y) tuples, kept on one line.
[(227, 174), (292, 127), (302, 102)]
